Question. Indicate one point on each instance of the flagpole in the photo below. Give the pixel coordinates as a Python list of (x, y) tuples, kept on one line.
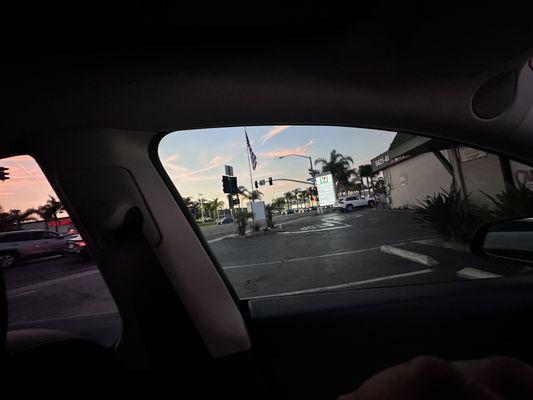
[(250, 170)]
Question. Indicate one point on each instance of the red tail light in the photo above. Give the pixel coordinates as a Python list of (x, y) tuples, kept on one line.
[(81, 244)]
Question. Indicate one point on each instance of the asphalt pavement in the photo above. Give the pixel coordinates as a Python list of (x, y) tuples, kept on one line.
[(304, 253)]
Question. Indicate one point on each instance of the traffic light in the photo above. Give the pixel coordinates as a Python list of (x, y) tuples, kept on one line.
[(3, 174), (226, 185), (270, 181), (255, 184), (233, 185)]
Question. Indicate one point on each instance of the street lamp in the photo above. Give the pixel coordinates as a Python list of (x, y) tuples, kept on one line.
[(201, 204), (311, 169)]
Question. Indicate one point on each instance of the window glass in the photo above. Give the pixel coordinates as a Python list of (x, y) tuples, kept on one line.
[(411, 206), (51, 280)]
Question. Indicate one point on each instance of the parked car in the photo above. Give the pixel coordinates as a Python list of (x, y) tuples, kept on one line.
[(351, 202), (204, 219), (225, 220), (76, 246), (27, 244)]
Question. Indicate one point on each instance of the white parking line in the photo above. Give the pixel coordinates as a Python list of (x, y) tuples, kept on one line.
[(23, 294), (220, 238), (343, 285), (315, 230), (410, 255), (342, 253), (474, 273), (33, 287)]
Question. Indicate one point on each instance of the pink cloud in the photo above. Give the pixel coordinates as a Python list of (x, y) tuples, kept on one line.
[(280, 152), (273, 132), (27, 187), (181, 173)]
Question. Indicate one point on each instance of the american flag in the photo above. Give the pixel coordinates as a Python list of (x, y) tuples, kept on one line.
[(253, 158)]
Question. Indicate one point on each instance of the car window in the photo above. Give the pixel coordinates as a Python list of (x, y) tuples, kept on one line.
[(284, 185), (49, 283)]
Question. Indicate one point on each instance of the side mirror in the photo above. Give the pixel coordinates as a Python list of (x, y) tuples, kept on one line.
[(509, 239)]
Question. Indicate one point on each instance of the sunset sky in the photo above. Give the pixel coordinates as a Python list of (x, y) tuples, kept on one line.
[(27, 187), (195, 159)]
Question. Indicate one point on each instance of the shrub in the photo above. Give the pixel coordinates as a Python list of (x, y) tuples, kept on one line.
[(513, 202), (241, 221), (451, 215)]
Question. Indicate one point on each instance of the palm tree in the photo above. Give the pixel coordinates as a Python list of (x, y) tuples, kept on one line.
[(296, 196), (289, 196), (365, 171), (18, 217), (338, 165), (253, 195), (48, 212), (278, 203), (214, 206)]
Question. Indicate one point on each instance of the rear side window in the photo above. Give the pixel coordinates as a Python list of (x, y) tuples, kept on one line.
[(50, 282), (284, 185)]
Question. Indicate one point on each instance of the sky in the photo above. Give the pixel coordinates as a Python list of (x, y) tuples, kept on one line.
[(195, 159), (27, 187)]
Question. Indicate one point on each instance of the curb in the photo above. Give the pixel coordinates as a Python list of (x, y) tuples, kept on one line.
[(409, 255), (444, 244), (474, 273)]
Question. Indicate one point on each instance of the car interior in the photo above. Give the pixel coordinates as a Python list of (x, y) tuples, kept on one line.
[(89, 94)]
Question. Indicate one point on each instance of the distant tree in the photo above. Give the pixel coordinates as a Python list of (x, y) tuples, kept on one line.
[(214, 206), (278, 203), (296, 196), (289, 197), (19, 217), (49, 211), (338, 165), (253, 195), (365, 171)]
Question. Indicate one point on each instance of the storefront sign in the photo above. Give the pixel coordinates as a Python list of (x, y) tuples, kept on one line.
[(60, 222), (468, 154), (522, 174), (326, 189)]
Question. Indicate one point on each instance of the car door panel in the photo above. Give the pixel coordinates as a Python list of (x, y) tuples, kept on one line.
[(322, 345)]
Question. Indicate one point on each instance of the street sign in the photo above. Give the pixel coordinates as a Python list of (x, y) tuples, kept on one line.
[(229, 170), (310, 180), (326, 189)]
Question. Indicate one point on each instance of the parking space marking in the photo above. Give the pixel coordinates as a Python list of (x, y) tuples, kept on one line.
[(24, 289), (474, 273), (342, 253), (220, 238), (410, 255), (315, 228), (24, 293), (344, 285)]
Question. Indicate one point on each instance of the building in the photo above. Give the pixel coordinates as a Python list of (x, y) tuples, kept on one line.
[(414, 167), (62, 225)]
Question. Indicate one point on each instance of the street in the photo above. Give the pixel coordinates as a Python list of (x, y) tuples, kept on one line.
[(305, 253)]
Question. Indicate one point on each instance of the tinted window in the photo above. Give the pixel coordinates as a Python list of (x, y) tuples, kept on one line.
[(430, 197), (49, 285)]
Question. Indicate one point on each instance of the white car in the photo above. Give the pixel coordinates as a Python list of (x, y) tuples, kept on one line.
[(351, 202)]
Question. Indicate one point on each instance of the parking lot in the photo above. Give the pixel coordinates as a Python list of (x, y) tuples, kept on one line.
[(304, 253)]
